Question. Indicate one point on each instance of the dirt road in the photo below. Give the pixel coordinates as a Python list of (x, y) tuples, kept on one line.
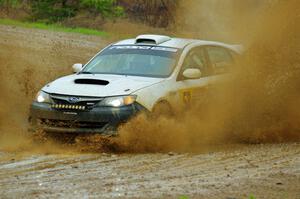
[(32, 57), (265, 171)]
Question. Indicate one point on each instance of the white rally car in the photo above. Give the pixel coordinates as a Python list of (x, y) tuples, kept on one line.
[(128, 77)]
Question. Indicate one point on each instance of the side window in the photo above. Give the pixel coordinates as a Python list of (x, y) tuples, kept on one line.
[(196, 59), (220, 58)]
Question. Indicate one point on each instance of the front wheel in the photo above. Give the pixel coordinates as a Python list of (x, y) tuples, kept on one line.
[(162, 109)]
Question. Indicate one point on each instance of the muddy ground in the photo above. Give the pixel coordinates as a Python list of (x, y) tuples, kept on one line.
[(31, 58)]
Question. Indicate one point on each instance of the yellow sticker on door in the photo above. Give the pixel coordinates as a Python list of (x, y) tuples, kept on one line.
[(186, 96)]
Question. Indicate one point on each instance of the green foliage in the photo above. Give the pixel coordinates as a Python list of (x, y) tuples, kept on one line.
[(57, 10), (52, 10), (107, 8)]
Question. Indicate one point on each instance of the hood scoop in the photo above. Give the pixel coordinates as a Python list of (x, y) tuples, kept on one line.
[(91, 81)]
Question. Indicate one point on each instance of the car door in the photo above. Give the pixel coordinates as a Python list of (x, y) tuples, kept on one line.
[(222, 63), (194, 91)]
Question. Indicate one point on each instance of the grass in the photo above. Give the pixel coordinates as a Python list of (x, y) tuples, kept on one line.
[(53, 27)]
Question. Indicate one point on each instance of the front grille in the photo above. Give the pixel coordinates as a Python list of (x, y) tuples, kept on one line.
[(71, 124), (63, 102)]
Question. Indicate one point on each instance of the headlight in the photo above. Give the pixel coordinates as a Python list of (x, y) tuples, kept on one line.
[(43, 97), (118, 101)]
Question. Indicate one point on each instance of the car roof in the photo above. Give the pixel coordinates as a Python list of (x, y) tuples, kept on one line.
[(171, 42)]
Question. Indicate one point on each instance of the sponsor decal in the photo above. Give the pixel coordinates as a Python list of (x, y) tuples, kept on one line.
[(70, 113), (145, 48), (186, 96)]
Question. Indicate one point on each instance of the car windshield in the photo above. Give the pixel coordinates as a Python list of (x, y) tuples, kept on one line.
[(148, 61)]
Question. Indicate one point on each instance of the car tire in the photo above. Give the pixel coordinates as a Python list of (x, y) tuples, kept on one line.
[(162, 109)]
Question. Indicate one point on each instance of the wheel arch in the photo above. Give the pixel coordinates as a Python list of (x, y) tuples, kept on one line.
[(161, 101)]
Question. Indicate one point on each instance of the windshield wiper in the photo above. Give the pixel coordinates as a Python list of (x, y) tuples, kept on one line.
[(85, 72)]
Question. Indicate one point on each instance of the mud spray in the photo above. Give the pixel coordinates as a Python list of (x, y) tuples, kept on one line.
[(25, 67), (259, 105)]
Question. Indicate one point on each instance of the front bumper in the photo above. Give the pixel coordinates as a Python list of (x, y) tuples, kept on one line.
[(104, 120)]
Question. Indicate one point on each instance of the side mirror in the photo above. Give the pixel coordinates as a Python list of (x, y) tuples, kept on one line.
[(192, 73), (77, 68)]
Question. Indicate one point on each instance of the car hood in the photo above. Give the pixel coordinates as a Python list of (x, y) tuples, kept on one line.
[(99, 85)]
